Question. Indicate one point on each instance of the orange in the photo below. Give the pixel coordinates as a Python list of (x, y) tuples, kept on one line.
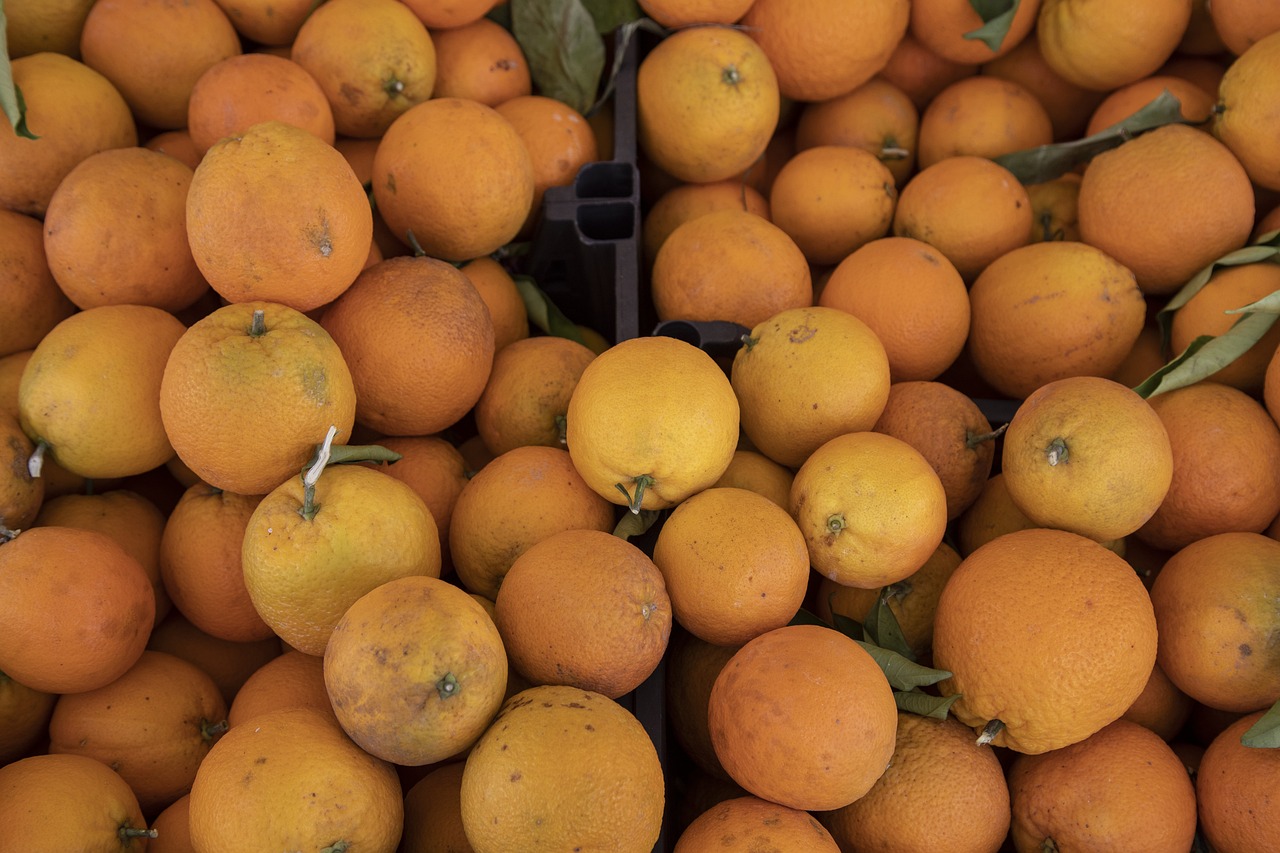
[(792, 400), (498, 290), (153, 725), (730, 265), (435, 696), (68, 802), (221, 372), (1055, 209), (244, 90), (1048, 636), (940, 791), (871, 508), (527, 396), (115, 232), (173, 828), (944, 26), (229, 663), (691, 667), (32, 303), (949, 429), (821, 50), (25, 714), (73, 111), (920, 72), (707, 103), (1242, 23), (91, 390), (291, 680), (433, 813), (294, 781), (994, 514), (1205, 314), (1225, 663), (832, 199), (1161, 707), (1204, 72), (454, 176), (1166, 204), (267, 22), (178, 145), (684, 202), (735, 565), (923, 326), (586, 775), (1068, 104), (744, 824), (674, 14), (1103, 46), (1049, 311), (153, 51), (87, 600), (982, 116), (750, 469), (11, 367), (1196, 104), (559, 140), (1087, 454), (1217, 433), (970, 209), (584, 608), (434, 469), (21, 495), (1268, 223), (1122, 787), (1201, 37), (1234, 785), (1271, 386), (445, 14), (45, 25), (877, 116), (480, 61), (307, 558), (803, 716), (276, 214), (419, 342), (652, 421)]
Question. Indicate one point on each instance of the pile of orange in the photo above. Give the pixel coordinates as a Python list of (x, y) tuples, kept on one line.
[(320, 529)]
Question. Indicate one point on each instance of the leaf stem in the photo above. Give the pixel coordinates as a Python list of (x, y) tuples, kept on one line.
[(989, 732), (309, 506), (35, 464)]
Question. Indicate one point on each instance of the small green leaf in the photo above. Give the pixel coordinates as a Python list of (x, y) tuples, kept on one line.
[(543, 313), (1265, 733), (807, 617), (851, 628), (996, 16), (1269, 304), (563, 47), (1265, 248), (11, 101), (1206, 355), (611, 14), (636, 523), (903, 674), (924, 704), (883, 625)]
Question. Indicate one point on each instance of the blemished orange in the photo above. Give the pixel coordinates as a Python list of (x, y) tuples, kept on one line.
[(32, 303), (877, 116), (692, 665), (944, 27), (178, 145), (1103, 46), (454, 177), (636, 441), (1055, 209), (25, 713), (229, 664), (822, 50), (258, 771), (744, 824), (1237, 810), (33, 26), (306, 559), (1166, 204), (791, 400), (152, 725), (419, 341), (434, 698), (735, 565), (301, 241), (75, 112), (267, 22), (1240, 24), (559, 140), (940, 790), (684, 202), (1217, 433), (433, 468), (981, 116), (293, 679), (1205, 314), (707, 103), (911, 296), (91, 390), (1089, 455), (949, 429), (480, 61), (1161, 706), (1068, 104), (115, 232), (831, 200), (587, 609), (153, 51), (871, 508), (433, 812), (674, 14), (586, 775), (1122, 786), (1048, 311), (223, 370), (729, 265), (68, 802), (1196, 103), (84, 596), (1227, 664), (1049, 637), (920, 72), (506, 307), (819, 744), (970, 209), (526, 398), (243, 90), (750, 469)]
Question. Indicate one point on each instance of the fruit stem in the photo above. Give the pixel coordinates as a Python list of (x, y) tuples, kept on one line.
[(1048, 846), (562, 429), (989, 732), (893, 152), (309, 505), (7, 535), (393, 86), (336, 847), (414, 244), (731, 75), (749, 342), (835, 524), (1057, 452), (258, 325), (642, 482), (36, 463), (447, 686), (127, 832), (973, 439), (1046, 225), (209, 731)]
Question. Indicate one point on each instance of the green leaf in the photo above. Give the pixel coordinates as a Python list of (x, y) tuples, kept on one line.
[(1206, 355), (883, 627), (1269, 304), (1046, 162), (996, 16), (611, 14), (1265, 733), (15, 108), (924, 704), (1265, 248), (543, 313), (563, 47), (807, 617), (903, 674), (636, 523)]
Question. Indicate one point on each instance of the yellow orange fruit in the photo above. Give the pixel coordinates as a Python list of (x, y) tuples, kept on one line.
[(1102, 46), (982, 116), (1233, 785)]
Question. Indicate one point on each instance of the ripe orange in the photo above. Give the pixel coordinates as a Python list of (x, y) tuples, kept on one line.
[(691, 668), (1103, 46), (943, 26), (448, 14), (920, 72), (1242, 23), (244, 90), (1234, 785), (45, 25), (1055, 209), (480, 61), (745, 824), (1048, 636), (559, 140), (293, 679), (877, 116), (178, 145), (1197, 104), (1249, 80), (803, 717), (433, 812), (674, 14), (68, 802), (982, 116), (1161, 706), (686, 201), (1205, 314), (267, 22), (32, 303), (1068, 104), (229, 663), (173, 828), (25, 715), (498, 290), (21, 495), (434, 469), (750, 469)]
